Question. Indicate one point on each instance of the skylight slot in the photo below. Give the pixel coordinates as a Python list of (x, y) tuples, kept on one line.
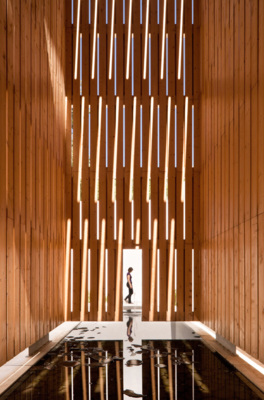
[(77, 40), (97, 221), (67, 268), (167, 66), (149, 219), (80, 220), (124, 135), (89, 280), (184, 213), (94, 38), (132, 220), (106, 135), (89, 136), (158, 280), (132, 160), (175, 12), (141, 133), (158, 11), (149, 64), (115, 217), (106, 279), (192, 12), (71, 280), (140, 12), (98, 66), (192, 280), (124, 12), (175, 136), (148, 194), (89, 11), (180, 41), (158, 136), (163, 39), (115, 151), (72, 11), (84, 270), (193, 136), (167, 151), (106, 12), (184, 151), (170, 271), (132, 80), (98, 146), (115, 65), (80, 64), (167, 219), (146, 41), (80, 153), (72, 135), (184, 70), (175, 280), (111, 39), (129, 39)]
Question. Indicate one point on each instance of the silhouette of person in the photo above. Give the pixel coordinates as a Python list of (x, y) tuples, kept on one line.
[(129, 286), (129, 329)]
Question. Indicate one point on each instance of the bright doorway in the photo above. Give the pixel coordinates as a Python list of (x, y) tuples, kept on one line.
[(133, 258)]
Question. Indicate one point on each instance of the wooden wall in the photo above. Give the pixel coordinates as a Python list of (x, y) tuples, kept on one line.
[(232, 171), (32, 177), (95, 125)]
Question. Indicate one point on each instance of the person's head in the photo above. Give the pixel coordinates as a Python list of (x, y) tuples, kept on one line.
[(130, 269)]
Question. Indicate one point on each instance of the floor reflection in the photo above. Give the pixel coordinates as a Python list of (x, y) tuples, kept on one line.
[(90, 364)]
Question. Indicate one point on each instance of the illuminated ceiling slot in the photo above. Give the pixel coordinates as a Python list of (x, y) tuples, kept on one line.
[(175, 280), (72, 11), (180, 41), (132, 80), (153, 271), (67, 268), (124, 12), (97, 221), (141, 134), (132, 220), (163, 39), (119, 270), (115, 151), (158, 136), (81, 153), (106, 279), (158, 11), (146, 41), (89, 135), (112, 39), (141, 12), (132, 159), (170, 272), (96, 190), (115, 63), (175, 12), (81, 64), (94, 38), (175, 136), (80, 220), (124, 135), (150, 147), (149, 64), (192, 12), (106, 12), (77, 40), (193, 136), (138, 232), (184, 151), (84, 270), (158, 280), (192, 280), (89, 280), (184, 69), (167, 151), (98, 65), (90, 13), (106, 136), (129, 39), (167, 65), (101, 271), (149, 219), (115, 217), (71, 280)]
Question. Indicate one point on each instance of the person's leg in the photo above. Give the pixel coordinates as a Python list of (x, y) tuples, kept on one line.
[(130, 294)]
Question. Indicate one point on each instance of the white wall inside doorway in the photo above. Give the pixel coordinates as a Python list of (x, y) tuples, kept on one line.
[(133, 258)]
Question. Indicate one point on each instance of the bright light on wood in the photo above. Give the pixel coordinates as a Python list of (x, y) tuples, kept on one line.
[(170, 272), (167, 151), (77, 40), (112, 40), (84, 269), (132, 160), (180, 41), (80, 153), (98, 151), (129, 39), (146, 42), (119, 270), (115, 152), (138, 231), (94, 37), (184, 151), (150, 147), (101, 272), (67, 269), (153, 270), (163, 39)]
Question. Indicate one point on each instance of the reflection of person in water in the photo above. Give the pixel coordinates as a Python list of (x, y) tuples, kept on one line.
[(129, 329), (129, 285)]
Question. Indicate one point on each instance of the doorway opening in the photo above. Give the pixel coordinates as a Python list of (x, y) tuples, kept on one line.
[(133, 258)]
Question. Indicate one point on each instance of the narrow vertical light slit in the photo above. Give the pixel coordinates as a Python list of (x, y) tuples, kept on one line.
[(96, 190), (115, 65), (119, 269), (132, 220), (167, 65), (98, 65), (149, 219), (163, 39), (124, 12), (167, 219), (184, 213), (71, 280), (111, 40), (132, 159), (175, 12), (124, 135), (115, 220), (94, 38), (141, 134), (106, 279), (115, 151), (129, 39), (72, 135), (67, 268), (148, 194), (170, 272), (146, 41), (158, 280), (158, 136), (97, 221), (106, 135), (101, 294), (175, 136), (175, 281), (192, 12), (192, 280), (184, 151), (149, 64), (106, 12), (72, 11), (89, 10), (80, 220), (153, 276), (80, 64), (193, 136), (89, 136), (84, 270), (80, 166), (140, 12), (132, 51), (89, 281), (167, 149), (184, 70), (180, 41), (77, 40), (138, 233), (158, 11)]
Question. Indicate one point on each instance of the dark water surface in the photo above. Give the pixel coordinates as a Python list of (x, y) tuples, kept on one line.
[(94, 370)]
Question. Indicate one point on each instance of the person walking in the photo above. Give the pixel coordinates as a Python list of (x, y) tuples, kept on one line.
[(129, 285)]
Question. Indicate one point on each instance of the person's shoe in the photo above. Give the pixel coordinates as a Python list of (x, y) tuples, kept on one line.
[(126, 300)]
